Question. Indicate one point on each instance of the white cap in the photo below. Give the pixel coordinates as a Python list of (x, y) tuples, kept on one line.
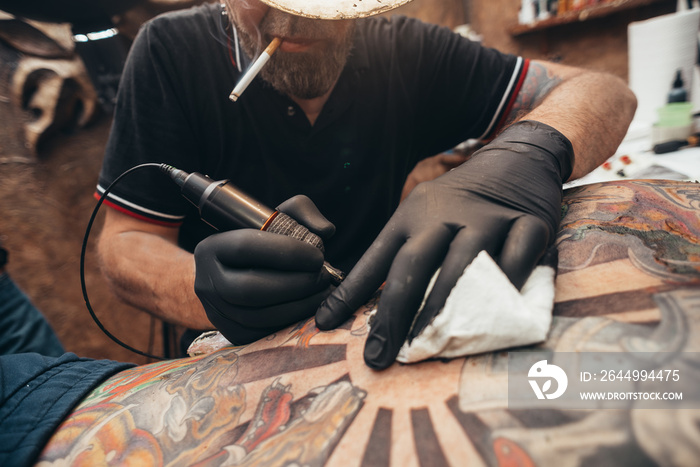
[(335, 9)]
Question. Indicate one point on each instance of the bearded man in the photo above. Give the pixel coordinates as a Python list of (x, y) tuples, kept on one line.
[(343, 111)]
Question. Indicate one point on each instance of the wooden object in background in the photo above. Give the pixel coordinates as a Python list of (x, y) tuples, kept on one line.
[(585, 13)]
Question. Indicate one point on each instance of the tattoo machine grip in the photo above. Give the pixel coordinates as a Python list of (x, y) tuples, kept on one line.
[(225, 207), (282, 224)]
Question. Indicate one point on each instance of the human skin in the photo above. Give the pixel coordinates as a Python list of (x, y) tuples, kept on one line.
[(629, 270), (591, 109)]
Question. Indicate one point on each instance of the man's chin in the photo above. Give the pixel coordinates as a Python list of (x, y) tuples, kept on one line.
[(306, 75), (307, 94), (303, 94), (301, 89)]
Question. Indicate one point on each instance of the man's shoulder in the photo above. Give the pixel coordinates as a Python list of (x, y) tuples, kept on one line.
[(401, 37), (186, 24), (198, 13), (401, 31), (392, 23)]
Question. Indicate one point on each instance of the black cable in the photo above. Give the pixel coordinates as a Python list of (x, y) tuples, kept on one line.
[(82, 259)]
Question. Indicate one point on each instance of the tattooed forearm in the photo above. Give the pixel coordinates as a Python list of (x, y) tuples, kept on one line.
[(539, 82)]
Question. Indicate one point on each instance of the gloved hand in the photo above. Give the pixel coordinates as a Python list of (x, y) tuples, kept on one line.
[(253, 283), (506, 199)]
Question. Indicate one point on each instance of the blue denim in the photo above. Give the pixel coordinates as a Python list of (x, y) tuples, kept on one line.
[(37, 393), (22, 327)]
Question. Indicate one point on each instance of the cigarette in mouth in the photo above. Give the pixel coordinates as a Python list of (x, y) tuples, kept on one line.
[(254, 69)]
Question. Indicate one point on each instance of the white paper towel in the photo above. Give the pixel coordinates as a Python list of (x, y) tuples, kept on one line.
[(657, 48), (485, 312)]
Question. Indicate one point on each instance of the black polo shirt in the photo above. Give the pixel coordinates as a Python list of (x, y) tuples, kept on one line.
[(409, 90)]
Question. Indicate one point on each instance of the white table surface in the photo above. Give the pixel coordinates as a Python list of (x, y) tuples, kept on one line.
[(635, 159)]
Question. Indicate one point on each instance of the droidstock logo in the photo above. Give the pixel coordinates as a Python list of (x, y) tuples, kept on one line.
[(541, 370)]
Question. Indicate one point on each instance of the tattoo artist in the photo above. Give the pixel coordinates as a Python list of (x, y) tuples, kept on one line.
[(342, 112)]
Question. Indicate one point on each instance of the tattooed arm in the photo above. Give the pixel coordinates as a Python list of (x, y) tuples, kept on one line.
[(593, 110)]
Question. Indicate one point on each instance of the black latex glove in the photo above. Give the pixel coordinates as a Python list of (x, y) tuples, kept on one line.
[(254, 283), (506, 199)]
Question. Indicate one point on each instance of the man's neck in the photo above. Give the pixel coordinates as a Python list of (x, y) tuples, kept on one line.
[(312, 107)]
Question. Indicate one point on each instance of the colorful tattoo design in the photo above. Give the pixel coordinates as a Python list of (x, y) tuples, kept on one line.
[(629, 281), (537, 85)]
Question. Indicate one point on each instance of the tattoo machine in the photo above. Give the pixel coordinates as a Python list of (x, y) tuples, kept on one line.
[(225, 207)]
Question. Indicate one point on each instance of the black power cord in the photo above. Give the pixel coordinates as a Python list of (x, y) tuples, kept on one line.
[(82, 259)]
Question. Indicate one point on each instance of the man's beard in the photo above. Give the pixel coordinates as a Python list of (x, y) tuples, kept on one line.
[(304, 75)]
